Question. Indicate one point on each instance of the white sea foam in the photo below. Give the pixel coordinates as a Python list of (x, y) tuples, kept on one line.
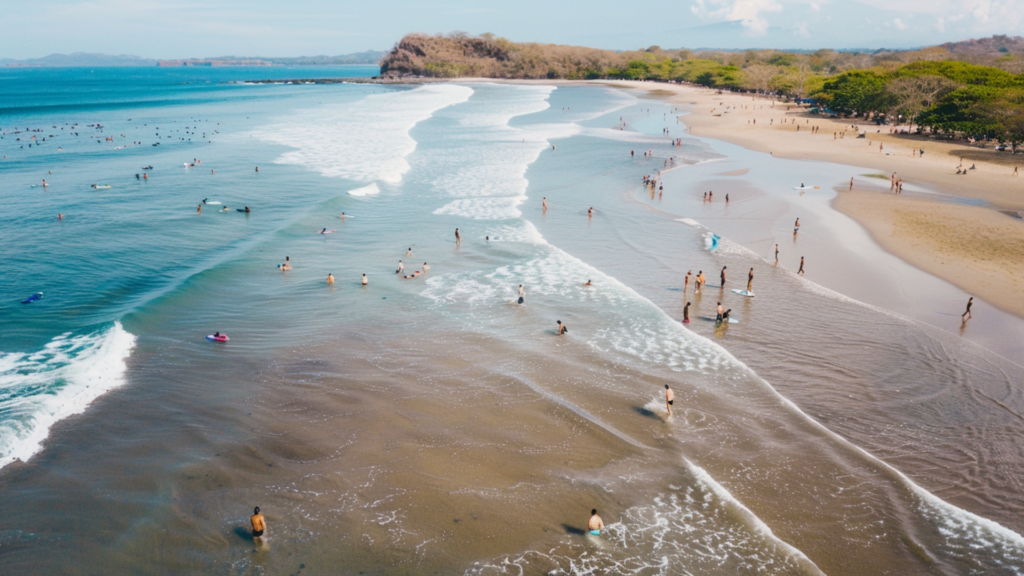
[(39, 389), (365, 140), (370, 190)]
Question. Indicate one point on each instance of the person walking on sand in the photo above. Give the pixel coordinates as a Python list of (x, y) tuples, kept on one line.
[(967, 313), (750, 281), (595, 525), (561, 328), (259, 523), (801, 270), (686, 313), (522, 294), (686, 283), (365, 280), (330, 279), (851, 184), (670, 397)]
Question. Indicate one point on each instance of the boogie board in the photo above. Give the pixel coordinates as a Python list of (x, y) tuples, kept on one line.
[(714, 241), (806, 187), (743, 293), (240, 209), (221, 338), (32, 298)]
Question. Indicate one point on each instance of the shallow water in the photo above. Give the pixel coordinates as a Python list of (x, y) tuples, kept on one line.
[(431, 424)]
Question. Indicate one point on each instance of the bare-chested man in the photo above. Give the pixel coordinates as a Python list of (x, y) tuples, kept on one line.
[(670, 397), (561, 328), (595, 525), (259, 524)]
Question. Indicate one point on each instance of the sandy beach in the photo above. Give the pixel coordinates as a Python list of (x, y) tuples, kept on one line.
[(975, 247)]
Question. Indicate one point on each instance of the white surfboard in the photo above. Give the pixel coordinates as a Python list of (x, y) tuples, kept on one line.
[(806, 187), (743, 293)]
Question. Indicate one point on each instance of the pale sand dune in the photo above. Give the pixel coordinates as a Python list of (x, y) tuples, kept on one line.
[(977, 249)]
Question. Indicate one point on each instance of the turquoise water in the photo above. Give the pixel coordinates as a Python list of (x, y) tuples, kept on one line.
[(392, 428)]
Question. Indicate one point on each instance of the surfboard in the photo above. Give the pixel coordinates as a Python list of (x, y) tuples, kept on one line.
[(806, 187), (239, 209), (328, 232), (743, 293), (32, 298), (212, 203)]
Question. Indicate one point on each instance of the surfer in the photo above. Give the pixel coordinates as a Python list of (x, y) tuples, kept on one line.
[(522, 294), (801, 270), (686, 283), (323, 231), (259, 524), (365, 281), (670, 397), (330, 278), (723, 276), (561, 328), (595, 525), (246, 210), (686, 313), (750, 280), (967, 313)]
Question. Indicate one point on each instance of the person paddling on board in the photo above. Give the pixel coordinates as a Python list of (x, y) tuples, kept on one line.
[(595, 525), (670, 397), (686, 313), (750, 281), (967, 313), (259, 524), (561, 328)]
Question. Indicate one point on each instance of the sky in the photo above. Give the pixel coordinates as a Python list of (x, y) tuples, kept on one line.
[(206, 28)]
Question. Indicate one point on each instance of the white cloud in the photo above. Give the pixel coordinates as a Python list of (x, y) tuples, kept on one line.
[(815, 7), (802, 31), (748, 12), (899, 24), (940, 25)]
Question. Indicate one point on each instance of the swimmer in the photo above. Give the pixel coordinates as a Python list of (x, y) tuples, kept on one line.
[(259, 524), (595, 525), (246, 209), (590, 213), (686, 284), (425, 267), (544, 203), (409, 251), (801, 270), (401, 267), (365, 280), (721, 310), (60, 215), (287, 263), (342, 216), (224, 209), (967, 314), (723, 276), (587, 283), (561, 328), (750, 280), (522, 294), (330, 279), (670, 397), (257, 168), (686, 313)]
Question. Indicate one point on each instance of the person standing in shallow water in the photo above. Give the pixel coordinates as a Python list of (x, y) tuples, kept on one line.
[(595, 525), (686, 313), (967, 313), (723, 276), (670, 397), (259, 524), (458, 237), (750, 280), (522, 294), (561, 328), (801, 270)]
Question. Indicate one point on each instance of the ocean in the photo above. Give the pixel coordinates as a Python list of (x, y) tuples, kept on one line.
[(432, 424)]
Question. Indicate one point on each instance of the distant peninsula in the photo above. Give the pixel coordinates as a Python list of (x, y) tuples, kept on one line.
[(81, 59)]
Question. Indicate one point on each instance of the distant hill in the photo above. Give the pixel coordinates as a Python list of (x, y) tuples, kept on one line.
[(81, 59)]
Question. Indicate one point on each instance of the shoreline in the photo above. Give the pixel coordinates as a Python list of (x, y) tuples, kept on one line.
[(982, 254)]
